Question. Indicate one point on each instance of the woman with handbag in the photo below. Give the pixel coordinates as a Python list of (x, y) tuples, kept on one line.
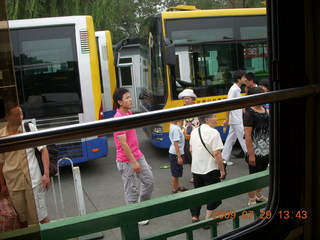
[(207, 163)]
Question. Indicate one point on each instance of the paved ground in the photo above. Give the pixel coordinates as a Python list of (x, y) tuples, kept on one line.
[(102, 186)]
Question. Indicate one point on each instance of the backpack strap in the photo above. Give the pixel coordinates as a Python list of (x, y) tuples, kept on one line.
[(26, 126)]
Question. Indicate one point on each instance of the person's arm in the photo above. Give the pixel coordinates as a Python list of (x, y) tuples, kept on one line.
[(248, 138), (219, 160), (4, 189), (226, 122), (128, 152), (45, 162), (176, 147)]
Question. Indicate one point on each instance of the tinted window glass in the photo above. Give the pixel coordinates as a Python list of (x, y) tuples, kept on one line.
[(126, 78), (46, 68)]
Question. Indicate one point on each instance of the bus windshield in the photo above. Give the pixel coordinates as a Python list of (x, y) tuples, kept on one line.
[(45, 61), (210, 50), (154, 78)]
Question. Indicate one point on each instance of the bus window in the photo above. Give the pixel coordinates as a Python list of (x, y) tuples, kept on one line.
[(46, 70)]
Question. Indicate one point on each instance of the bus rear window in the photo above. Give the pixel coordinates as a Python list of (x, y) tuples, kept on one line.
[(45, 62)]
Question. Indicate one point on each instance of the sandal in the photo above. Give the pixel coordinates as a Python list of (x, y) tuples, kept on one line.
[(179, 189), (176, 191), (182, 189)]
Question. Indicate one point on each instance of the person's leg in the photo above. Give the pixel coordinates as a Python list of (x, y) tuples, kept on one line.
[(262, 164), (252, 198), (197, 182), (252, 194), (18, 201), (175, 184), (176, 173), (230, 141), (209, 179), (39, 199), (239, 130), (147, 180), (129, 182)]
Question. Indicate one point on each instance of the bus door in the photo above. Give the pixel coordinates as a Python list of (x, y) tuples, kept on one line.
[(127, 79)]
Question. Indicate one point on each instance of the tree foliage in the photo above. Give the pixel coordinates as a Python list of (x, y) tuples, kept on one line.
[(121, 17)]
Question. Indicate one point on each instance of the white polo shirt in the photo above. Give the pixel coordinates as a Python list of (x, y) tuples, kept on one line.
[(202, 160), (34, 169), (235, 116)]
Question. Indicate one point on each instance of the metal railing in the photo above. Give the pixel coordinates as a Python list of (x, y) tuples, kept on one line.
[(126, 217), (150, 118)]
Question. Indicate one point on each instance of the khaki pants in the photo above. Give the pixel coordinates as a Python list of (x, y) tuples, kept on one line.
[(24, 204), (129, 178)]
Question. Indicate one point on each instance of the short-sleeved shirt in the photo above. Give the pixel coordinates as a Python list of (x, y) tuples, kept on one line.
[(132, 141), (260, 130), (34, 168), (235, 116), (15, 166), (176, 135), (202, 161)]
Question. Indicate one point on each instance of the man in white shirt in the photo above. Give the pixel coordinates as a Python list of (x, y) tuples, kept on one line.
[(234, 118)]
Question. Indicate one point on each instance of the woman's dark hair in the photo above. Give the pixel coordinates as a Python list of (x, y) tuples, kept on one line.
[(255, 90), (264, 82), (118, 94)]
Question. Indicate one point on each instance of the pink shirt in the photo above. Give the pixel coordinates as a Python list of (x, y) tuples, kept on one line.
[(132, 141)]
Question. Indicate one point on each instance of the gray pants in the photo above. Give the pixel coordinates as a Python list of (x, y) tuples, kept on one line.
[(129, 178)]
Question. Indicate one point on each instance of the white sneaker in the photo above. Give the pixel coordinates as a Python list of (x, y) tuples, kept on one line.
[(229, 163), (144, 222)]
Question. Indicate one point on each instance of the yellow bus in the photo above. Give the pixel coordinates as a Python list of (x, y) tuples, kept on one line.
[(57, 74), (201, 50)]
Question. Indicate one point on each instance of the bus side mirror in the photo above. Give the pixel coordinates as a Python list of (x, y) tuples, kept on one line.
[(170, 55), (170, 52)]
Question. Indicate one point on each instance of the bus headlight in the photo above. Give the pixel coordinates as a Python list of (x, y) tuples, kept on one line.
[(157, 130)]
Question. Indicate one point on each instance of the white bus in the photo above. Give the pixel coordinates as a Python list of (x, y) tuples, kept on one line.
[(57, 75)]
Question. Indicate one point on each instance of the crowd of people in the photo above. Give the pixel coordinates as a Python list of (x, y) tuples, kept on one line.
[(194, 141)]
